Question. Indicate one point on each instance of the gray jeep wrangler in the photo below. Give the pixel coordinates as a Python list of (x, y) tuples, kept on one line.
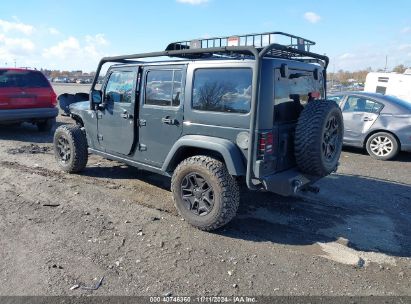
[(214, 113)]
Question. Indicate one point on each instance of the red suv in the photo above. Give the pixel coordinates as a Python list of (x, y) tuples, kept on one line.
[(27, 96)]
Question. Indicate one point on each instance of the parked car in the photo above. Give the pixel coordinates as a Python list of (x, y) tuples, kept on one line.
[(27, 96), (60, 80), (210, 117), (379, 123)]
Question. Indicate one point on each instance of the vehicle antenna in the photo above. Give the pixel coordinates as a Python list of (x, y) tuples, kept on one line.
[(386, 62)]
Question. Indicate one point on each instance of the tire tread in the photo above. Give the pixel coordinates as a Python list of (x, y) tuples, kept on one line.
[(230, 194), (79, 156), (307, 146)]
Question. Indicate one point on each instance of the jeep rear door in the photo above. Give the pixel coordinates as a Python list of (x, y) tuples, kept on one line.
[(291, 94), (116, 119), (161, 112)]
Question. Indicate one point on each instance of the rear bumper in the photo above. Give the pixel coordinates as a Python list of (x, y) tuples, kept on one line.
[(288, 182), (27, 114)]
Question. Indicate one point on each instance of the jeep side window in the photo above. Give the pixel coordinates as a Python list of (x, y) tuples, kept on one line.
[(163, 87), (222, 90), (120, 86)]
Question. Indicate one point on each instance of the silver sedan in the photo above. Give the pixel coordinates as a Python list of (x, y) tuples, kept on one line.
[(379, 123)]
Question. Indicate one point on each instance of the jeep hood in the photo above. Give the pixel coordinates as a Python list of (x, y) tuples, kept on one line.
[(72, 102), (79, 106)]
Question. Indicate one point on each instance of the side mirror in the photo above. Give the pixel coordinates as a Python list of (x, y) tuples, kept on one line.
[(96, 98)]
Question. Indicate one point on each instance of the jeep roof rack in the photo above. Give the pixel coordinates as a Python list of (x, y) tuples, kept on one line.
[(259, 41), (268, 44), (271, 44)]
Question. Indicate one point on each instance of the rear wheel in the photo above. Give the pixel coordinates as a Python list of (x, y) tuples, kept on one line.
[(382, 146), (204, 193), (46, 125), (70, 148)]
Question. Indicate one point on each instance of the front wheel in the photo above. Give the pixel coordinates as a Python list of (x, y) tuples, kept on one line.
[(382, 146), (204, 193), (70, 148)]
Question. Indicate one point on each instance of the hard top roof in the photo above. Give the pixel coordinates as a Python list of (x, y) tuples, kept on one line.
[(235, 47), (250, 46)]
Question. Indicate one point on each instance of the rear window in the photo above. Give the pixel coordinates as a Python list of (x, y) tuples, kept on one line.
[(401, 102), (222, 90), (381, 90), (292, 93), (17, 78)]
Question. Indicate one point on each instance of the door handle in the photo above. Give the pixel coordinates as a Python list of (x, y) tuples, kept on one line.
[(169, 121), (368, 119), (125, 115)]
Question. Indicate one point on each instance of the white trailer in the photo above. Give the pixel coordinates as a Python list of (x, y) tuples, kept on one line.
[(398, 85)]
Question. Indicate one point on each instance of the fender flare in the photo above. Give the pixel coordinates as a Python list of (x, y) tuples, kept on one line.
[(233, 158)]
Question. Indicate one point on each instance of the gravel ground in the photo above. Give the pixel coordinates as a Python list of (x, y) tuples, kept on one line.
[(114, 221)]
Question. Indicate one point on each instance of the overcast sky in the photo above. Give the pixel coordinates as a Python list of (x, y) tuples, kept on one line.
[(76, 34)]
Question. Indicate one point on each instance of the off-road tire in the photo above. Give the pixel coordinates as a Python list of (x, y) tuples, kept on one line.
[(394, 146), (46, 125), (310, 134), (225, 188), (77, 143)]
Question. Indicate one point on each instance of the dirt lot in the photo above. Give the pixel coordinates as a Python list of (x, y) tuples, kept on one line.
[(117, 222)]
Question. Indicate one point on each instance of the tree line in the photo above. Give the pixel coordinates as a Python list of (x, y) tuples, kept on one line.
[(346, 77)]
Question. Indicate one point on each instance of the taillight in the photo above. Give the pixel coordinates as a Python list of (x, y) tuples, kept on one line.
[(315, 94), (53, 100), (265, 144)]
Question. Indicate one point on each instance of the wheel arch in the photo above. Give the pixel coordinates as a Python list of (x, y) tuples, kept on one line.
[(221, 149), (77, 119)]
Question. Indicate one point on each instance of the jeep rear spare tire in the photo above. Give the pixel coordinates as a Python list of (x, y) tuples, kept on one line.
[(204, 193), (70, 148), (318, 138)]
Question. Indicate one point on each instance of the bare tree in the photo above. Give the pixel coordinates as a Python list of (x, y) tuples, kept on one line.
[(210, 95), (399, 69), (343, 76)]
